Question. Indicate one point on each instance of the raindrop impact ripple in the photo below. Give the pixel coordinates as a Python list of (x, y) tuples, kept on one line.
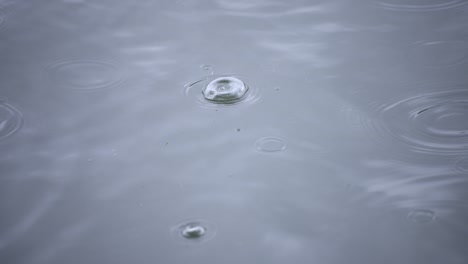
[(85, 75), (270, 144), (430, 123)]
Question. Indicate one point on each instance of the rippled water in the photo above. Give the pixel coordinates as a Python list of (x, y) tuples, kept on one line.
[(216, 131)]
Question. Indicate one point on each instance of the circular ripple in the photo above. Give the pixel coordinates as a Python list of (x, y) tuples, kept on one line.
[(85, 75), (430, 123), (11, 120), (193, 231), (235, 92), (421, 216), (440, 53), (421, 6), (270, 144)]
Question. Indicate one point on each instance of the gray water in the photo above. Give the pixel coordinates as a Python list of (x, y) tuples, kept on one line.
[(349, 146)]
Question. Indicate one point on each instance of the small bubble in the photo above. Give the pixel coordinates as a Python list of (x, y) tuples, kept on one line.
[(225, 90), (270, 144), (194, 231), (421, 216)]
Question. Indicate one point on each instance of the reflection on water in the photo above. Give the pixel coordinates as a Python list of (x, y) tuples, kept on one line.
[(283, 131)]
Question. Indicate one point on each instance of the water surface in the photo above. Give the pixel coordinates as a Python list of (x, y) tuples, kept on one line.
[(350, 144)]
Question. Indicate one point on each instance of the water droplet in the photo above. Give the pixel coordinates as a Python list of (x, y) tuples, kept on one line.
[(85, 75), (270, 144), (225, 90), (11, 119), (421, 216), (430, 123), (421, 6), (222, 91), (194, 231)]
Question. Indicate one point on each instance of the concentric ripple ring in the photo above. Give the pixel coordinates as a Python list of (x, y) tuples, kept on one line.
[(85, 75), (430, 123)]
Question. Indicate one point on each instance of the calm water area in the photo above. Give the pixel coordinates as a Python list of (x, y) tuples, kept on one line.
[(220, 131)]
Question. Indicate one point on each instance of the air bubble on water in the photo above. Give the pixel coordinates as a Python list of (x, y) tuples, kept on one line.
[(225, 90), (220, 91), (194, 231)]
